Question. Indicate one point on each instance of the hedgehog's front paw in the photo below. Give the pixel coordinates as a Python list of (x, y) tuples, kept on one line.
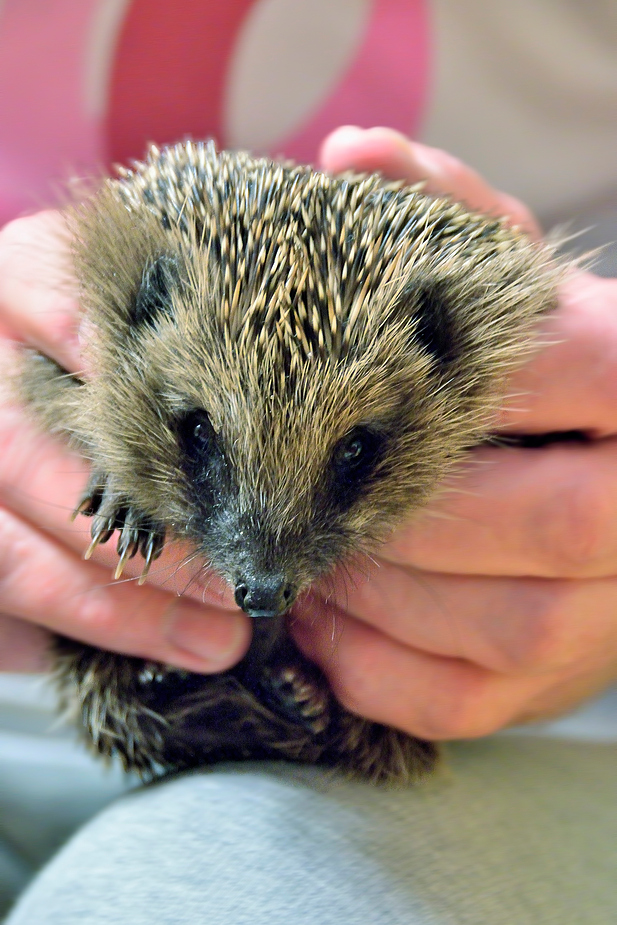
[(300, 697), (111, 511)]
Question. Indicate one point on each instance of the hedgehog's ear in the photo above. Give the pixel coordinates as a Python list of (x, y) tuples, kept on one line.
[(428, 301), (435, 328), (153, 300), (113, 247)]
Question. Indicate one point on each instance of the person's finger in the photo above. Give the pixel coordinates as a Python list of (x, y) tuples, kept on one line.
[(432, 696), (388, 152), (24, 646), (37, 297), (547, 513), (571, 382), (41, 481), (506, 625), (426, 695), (44, 583)]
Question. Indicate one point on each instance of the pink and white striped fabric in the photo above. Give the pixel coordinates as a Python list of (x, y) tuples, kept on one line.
[(87, 82), (526, 93)]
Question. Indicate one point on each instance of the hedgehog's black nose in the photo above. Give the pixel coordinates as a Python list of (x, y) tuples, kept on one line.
[(264, 597)]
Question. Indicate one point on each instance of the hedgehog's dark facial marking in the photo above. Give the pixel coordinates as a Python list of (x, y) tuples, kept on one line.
[(153, 299), (435, 329), (237, 541), (353, 463), (203, 460)]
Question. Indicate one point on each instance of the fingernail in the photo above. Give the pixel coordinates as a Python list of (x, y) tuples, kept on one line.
[(348, 132), (333, 150), (216, 637)]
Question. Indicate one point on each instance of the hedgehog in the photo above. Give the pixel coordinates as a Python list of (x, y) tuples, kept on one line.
[(283, 365)]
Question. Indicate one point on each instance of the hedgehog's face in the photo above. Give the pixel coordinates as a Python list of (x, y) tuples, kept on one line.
[(276, 470), (282, 480)]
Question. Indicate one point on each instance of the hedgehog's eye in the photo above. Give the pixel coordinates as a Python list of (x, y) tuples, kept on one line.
[(353, 452), (196, 433), (201, 432), (354, 459)]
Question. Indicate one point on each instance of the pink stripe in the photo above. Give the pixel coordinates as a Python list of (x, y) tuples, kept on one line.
[(169, 72), (386, 84), (45, 131)]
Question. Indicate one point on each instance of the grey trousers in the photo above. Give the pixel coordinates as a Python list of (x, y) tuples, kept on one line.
[(513, 831)]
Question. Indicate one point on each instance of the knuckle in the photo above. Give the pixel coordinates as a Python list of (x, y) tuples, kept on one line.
[(24, 460), (577, 534), (544, 641), (458, 172), (516, 211), (121, 620), (96, 616), (23, 229), (20, 555), (462, 709), (34, 259)]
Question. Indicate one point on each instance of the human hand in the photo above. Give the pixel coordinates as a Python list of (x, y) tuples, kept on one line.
[(498, 605), (45, 586)]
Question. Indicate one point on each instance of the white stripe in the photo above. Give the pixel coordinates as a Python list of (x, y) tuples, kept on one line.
[(526, 93), (99, 54), (288, 56)]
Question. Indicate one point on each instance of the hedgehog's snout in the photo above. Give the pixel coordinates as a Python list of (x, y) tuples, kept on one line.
[(264, 595)]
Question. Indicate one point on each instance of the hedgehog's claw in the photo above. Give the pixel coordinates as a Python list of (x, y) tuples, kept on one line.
[(128, 544), (151, 546), (300, 696), (100, 532), (92, 497), (111, 511)]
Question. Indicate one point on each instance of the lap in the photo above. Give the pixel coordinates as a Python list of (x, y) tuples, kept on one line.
[(514, 829)]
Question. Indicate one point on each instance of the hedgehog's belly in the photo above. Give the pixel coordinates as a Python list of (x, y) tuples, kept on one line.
[(157, 719)]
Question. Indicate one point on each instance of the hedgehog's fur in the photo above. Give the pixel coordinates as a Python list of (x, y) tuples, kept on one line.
[(283, 365)]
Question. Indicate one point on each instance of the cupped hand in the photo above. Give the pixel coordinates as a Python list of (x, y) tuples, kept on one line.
[(45, 585), (498, 604)]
